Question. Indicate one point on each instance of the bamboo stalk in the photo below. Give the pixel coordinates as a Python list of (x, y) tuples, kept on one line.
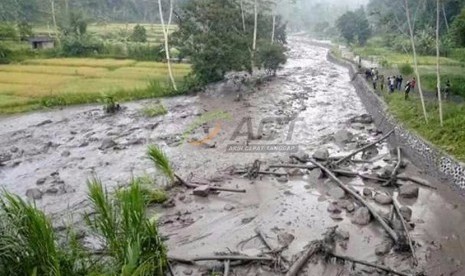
[(404, 225)]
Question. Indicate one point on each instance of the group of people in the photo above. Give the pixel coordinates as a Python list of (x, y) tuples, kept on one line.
[(393, 82)]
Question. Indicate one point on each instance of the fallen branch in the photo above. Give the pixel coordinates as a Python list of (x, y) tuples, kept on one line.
[(364, 148), (278, 251), (392, 179), (293, 166), (314, 247), (355, 174), (193, 186), (381, 267), (219, 258), (373, 212), (417, 180), (404, 225), (261, 172)]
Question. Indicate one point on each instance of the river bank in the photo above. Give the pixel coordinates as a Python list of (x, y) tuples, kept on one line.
[(60, 150)]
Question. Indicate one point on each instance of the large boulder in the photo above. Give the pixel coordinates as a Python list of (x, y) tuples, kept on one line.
[(409, 191), (34, 193), (336, 192), (406, 212), (361, 216), (107, 143), (362, 119), (321, 154), (343, 136), (383, 199)]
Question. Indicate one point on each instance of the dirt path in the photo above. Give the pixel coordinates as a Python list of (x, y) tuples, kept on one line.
[(54, 153)]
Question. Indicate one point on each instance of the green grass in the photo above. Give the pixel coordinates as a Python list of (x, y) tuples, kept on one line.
[(161, 161), (154, 110), (38, 83), (450, 137), (132, 245)]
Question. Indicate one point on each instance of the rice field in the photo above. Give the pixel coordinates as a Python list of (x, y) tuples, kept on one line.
[(115, 31), (27, 85)]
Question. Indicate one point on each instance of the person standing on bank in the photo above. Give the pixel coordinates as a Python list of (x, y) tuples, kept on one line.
[(409, 86), (400, 79)]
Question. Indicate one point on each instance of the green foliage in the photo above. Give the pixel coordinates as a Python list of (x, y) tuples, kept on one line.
[(5, 54), (457, 82), (81, 46), (75, 25), (139, 34), (212, 35), (154, 110), (28, 245), (25, 30), (271, 57), (131, 239), (449, 138), (8, 32), (354, 25), (161, 161), (458, 30), (406, 69)]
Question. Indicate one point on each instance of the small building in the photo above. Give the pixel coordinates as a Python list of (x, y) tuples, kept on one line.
[(38, 43)]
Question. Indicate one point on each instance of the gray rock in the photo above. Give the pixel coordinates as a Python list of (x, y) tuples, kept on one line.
[(46, 122), (336, 192), (14, 149), (5, 157), (333, 208), (321, 154), (229, 207), (296, 172), (406, 212), (383, 248), (52, 190), (203, 191), (188, 271), (34, 193), (282, 179), (362, 119), (344, 235), (409, 191), (84, 144), (346, 204), (66, 153), (361, 216), (386, 172), (383, 199), (343, 136), (285, 238), (107, 143), (41, 181), (367, 192)]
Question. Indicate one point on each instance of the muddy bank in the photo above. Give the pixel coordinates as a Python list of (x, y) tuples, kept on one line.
[(55, 152)]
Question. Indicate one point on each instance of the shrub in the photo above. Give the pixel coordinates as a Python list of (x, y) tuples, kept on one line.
[(5, 54), (139, 34), (8, 32), (25, 30), (80, 46), (271, 57), (154, 110), (406, 69)]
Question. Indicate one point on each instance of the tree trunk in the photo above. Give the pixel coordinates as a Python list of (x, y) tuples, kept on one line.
[(52, 5), (415, 61), (254, 44), (243, 16), (437, 64), (273, 29), (165, 36), (445, 17)]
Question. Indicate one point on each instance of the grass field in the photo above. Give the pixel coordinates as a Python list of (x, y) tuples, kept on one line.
[(113, 32), (48, 82)]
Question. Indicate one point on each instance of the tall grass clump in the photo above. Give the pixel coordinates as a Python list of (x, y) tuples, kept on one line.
[(131, 239), (161, 161), (28, 245)]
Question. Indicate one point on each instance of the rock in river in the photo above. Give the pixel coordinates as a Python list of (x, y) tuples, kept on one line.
[(361, 216), (383, 199), (409, 191), (321, 154), (34, 193), (107, 143)]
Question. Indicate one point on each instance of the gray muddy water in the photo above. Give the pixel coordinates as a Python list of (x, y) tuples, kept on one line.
[(50, 155)]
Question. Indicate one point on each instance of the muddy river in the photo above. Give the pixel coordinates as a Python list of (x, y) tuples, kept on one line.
[(306, 108)]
